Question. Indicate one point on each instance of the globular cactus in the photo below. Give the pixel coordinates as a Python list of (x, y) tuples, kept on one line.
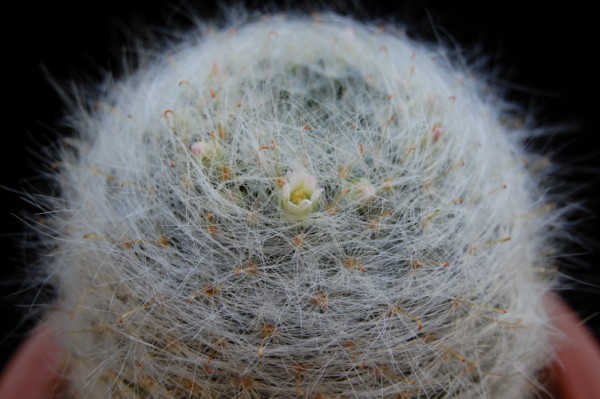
[(300, 207)]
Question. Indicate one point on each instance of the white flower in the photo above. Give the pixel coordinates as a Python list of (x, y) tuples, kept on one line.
[(206, 151), (300, 193)]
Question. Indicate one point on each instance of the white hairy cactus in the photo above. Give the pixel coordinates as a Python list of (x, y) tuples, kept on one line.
[(300, 207)]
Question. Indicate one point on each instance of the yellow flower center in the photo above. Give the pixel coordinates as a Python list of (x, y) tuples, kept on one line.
[(299, 195)]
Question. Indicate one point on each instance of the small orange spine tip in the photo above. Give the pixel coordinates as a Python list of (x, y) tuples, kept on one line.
[(250, 270), (298, 241), (246, 383), (227, 174), (221, 132), (168, 114), (280, 182), (437, 133), (164, 241), (320, 300), (397, 310), (267, 332)]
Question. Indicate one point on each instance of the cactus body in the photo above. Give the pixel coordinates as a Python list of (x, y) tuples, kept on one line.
[(300, 209)]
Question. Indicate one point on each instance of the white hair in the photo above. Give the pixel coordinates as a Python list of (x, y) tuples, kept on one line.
[(301, 208)]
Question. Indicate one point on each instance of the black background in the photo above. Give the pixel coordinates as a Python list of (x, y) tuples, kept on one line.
[(544, 49)]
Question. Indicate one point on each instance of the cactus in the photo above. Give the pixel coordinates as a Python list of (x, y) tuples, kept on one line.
[(301, 208)]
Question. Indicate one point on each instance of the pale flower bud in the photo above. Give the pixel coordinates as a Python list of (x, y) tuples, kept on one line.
[(205, 150), (363, 191), (300, 193)]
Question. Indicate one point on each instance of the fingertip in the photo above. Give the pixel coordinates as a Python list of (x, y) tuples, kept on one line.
[(576, 369), (34, 371)]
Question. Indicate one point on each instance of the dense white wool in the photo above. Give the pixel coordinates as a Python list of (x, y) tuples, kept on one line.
[(300, 208)]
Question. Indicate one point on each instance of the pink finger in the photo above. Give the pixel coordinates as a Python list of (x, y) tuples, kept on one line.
[(577, 368), (33, 373)]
